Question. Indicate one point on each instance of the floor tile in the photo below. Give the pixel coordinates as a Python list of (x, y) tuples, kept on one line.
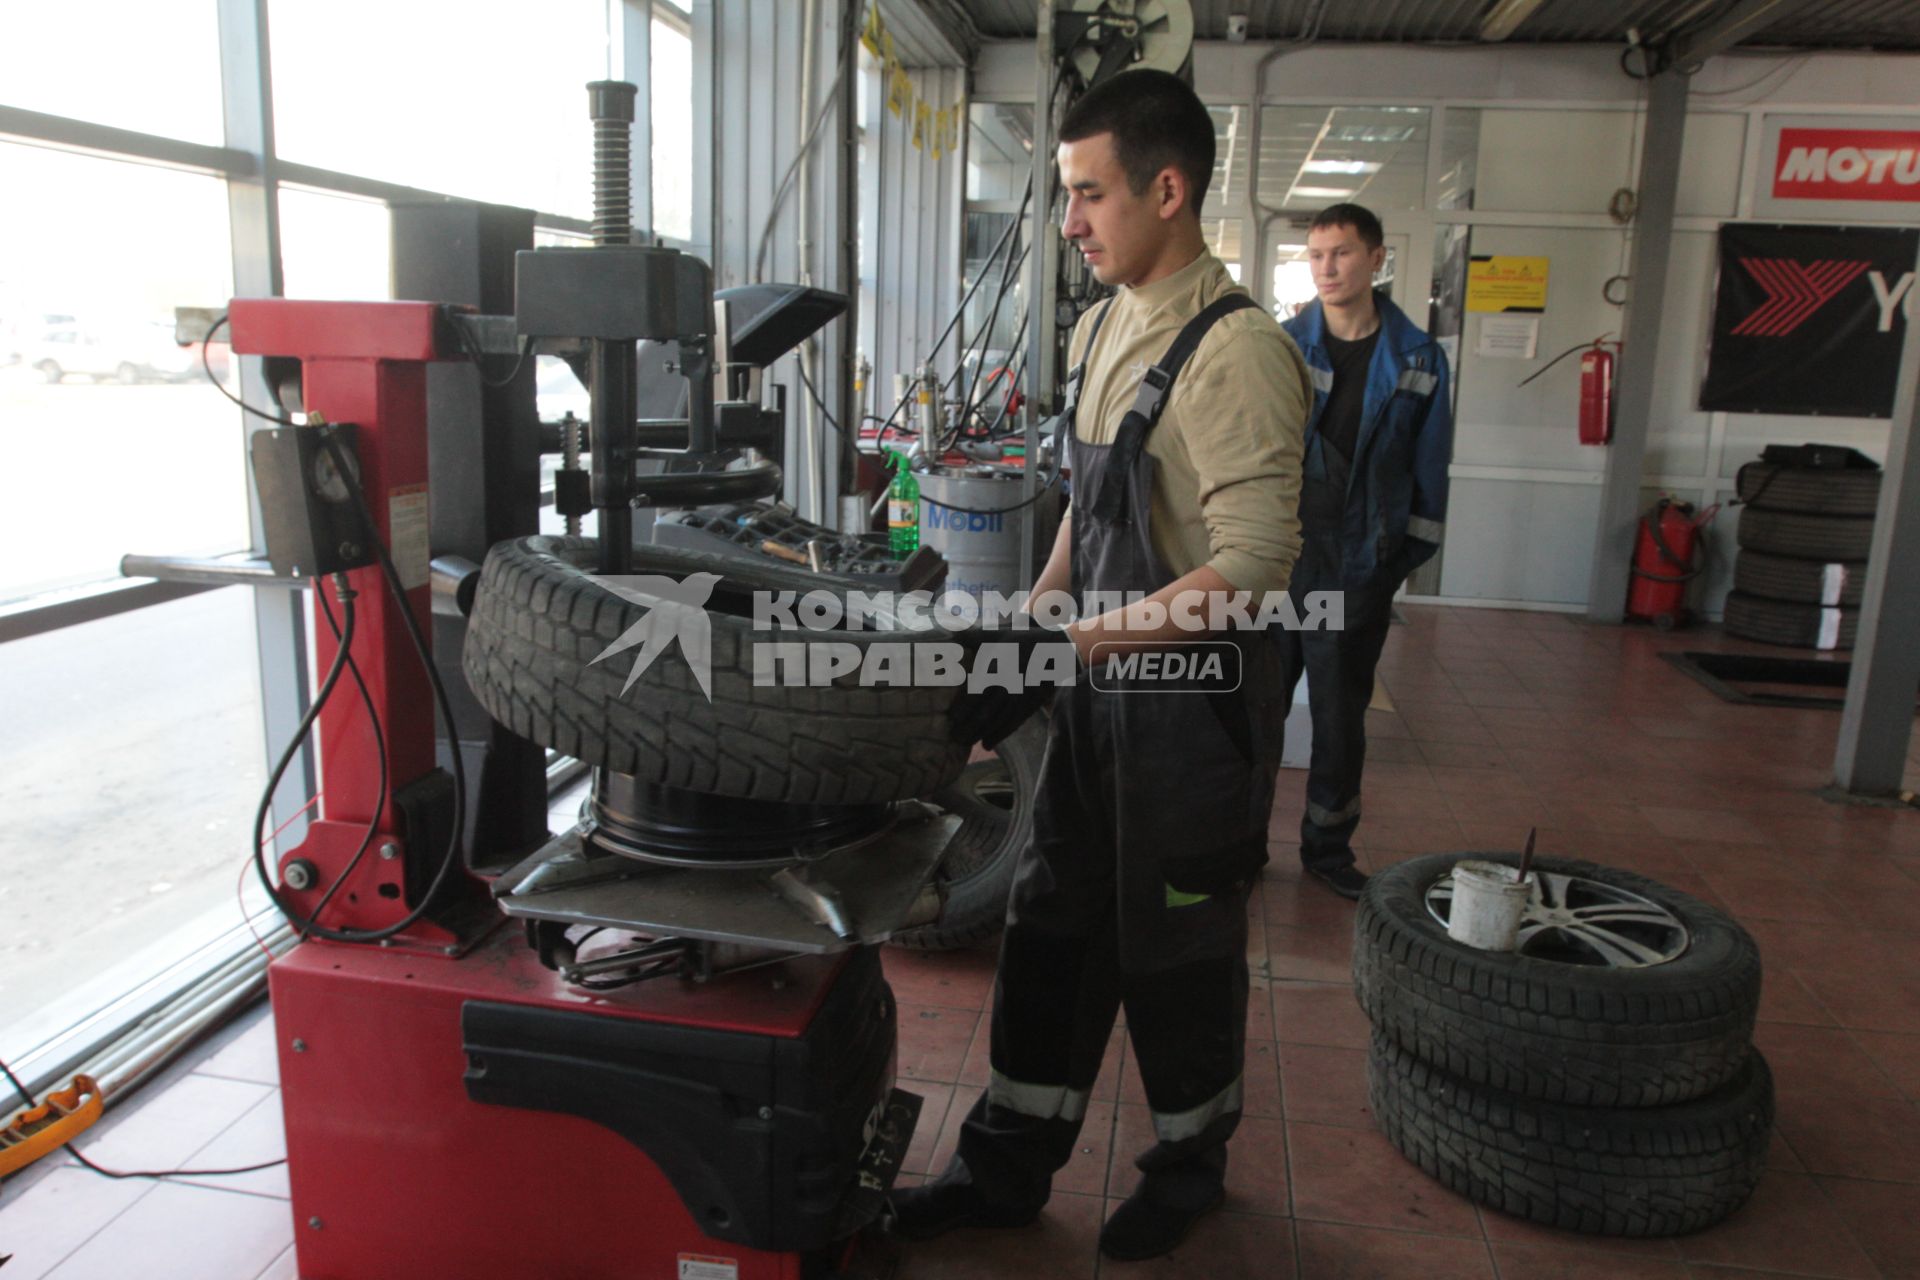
[(1260, 1079), (1062, 1245), (230, 1235), (284, 1267), (163, 1131), (1355, 1176), (935, 1099), (1896, 1055), (934, 1041), (948, 1141), (1852, 1137), (1318, 1013), (1821, 1059), (1869, 999), (1325, 1085), (1785, 998), (1884, 1218), (1224, 1244), (1331, 1252), (47, 1222), (255, 1138), (1086, 1170), (1502, 1228), (1787, 1226), (950, 979), (1568, 1262), (252, 1056), (1310, 955)]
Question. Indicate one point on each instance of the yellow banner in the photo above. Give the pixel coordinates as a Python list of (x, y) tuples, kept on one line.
[(899, 91), (1497, 283), (871, 36), (922, 119)]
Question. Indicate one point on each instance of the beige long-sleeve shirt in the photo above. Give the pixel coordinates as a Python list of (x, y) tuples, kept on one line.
[(1228, 446)]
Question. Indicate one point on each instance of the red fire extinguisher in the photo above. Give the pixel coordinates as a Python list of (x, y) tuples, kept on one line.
[(1596, 392), (1663, 562), (1596, 387)]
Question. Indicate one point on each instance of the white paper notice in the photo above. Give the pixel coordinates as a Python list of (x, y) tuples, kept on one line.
[(706, 1266), (1508, 337), (407, 533)]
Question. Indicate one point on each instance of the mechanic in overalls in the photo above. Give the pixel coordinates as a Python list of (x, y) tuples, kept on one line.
[(1184, 423)]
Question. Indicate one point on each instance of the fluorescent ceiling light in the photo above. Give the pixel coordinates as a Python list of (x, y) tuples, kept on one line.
[(1370, 133), (1504, 17), (1323, 193), (1342, 166)]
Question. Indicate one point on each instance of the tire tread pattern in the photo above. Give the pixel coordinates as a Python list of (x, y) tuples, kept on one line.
[(539, 621), (1656, 1171), (1556, 1032)]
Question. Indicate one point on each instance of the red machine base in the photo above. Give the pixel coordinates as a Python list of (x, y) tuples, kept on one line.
[(476, 1117)]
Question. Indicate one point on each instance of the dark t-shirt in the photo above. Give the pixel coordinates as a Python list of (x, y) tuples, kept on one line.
[(1321, 503)]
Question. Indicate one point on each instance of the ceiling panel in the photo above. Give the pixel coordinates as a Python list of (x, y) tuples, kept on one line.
[(1834, 24)]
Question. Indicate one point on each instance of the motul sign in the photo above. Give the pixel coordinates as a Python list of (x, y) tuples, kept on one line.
[(1847, 164)]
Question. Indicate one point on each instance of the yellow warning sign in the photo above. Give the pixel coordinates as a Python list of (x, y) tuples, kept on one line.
[(1496, 283)]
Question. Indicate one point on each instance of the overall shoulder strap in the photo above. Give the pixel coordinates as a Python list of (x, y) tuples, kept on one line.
[(1078, 371), (1148, 403), (1157, 384)]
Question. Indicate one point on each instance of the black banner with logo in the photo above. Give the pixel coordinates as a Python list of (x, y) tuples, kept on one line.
[(1809, 319)]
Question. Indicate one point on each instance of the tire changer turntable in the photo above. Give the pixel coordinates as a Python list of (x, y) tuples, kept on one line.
[(472, 1088)]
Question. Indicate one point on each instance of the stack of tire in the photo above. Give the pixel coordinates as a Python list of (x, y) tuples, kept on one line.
[(1804, 534), (1620, 1099)]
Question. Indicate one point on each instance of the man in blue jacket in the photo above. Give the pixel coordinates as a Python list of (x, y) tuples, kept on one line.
[(1373, 507)]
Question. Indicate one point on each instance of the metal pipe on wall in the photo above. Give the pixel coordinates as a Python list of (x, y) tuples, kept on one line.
[(810, 451)]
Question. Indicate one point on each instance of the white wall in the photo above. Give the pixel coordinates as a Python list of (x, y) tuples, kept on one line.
[(1558, 131)]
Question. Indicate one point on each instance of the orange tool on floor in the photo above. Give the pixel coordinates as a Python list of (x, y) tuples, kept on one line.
[(60, 1119)]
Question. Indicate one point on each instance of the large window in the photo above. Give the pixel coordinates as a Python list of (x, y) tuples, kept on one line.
[(140, 720), (486, 99), (135, 64), (111, 439), (671, 90), (129, 776)]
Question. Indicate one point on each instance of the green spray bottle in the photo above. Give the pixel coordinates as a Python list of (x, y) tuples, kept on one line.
[(903, 508)]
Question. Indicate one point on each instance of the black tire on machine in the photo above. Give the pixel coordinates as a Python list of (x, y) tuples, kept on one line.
[(1755, 573), (995, 799), (1534, 1026), (1802, 626), (1646, 1171), (539, 621)]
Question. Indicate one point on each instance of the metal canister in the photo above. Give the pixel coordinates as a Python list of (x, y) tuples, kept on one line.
[(964, 516)]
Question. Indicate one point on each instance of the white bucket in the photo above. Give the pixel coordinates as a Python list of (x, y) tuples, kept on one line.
[(1489, 899)]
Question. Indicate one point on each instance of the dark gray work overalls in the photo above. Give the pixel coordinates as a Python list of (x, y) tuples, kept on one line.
[(1150, 828)]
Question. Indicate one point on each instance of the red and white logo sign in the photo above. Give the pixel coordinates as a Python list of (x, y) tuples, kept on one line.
[(1847, 164), (1795, 290)]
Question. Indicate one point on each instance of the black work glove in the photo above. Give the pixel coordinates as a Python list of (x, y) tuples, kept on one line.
[(989, 715)]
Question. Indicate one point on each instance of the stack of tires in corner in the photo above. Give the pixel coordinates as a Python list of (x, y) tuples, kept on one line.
[(1804, 534), (1600, 1078)]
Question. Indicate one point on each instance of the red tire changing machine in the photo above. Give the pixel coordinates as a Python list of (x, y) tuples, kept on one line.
[(467, 1093)]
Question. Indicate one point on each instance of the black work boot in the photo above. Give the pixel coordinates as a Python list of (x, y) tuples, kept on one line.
[(950, 1201), (1348, 881), (1157, 1217)]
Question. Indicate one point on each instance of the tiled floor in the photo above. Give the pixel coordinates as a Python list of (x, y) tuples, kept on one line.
[(1502, 721)]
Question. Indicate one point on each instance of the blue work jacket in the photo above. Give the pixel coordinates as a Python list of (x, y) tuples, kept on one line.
[(1396, 507)]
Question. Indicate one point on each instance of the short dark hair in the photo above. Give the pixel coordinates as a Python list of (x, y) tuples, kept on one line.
[(1156, 121), (1359, 217)]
